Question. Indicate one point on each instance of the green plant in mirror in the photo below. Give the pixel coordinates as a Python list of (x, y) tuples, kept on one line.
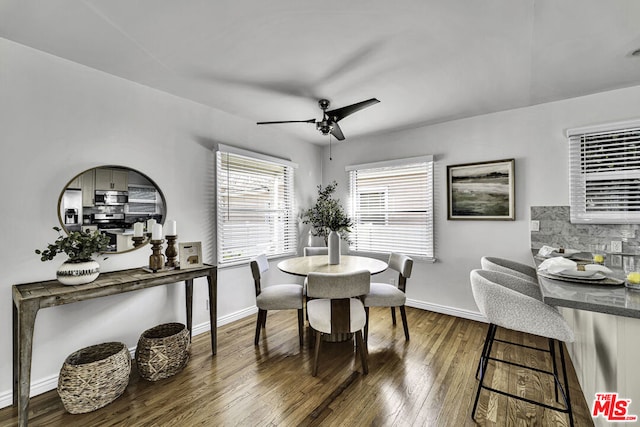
[(78, 245), (327, 214)]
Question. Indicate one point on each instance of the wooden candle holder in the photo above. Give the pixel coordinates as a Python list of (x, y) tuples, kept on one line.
[(138, 241), (156, 259), (171, 252)]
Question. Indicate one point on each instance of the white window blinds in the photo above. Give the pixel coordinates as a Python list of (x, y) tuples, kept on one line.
[(255, 207), (605, 174), (391, 204)]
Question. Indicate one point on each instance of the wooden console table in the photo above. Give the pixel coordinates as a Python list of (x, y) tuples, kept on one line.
[(28, 298)]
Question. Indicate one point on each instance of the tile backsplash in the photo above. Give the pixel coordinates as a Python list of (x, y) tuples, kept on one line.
[(557, 230)]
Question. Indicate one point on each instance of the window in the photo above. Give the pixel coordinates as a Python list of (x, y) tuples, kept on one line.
[(605, 174), (143, 199), (255, 206), (373, 205), (391, 204)]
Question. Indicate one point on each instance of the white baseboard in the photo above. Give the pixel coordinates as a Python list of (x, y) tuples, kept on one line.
[(37, 387), (443, 309), (51, 383), (206, 326)]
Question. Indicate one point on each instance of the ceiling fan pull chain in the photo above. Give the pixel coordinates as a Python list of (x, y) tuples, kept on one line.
[(330, 157)]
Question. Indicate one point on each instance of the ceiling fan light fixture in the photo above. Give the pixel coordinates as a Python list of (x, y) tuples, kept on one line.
[(325, 127), (329, 123)]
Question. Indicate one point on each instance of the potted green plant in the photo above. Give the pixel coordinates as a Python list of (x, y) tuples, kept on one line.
[(80, 247), (329, 220)]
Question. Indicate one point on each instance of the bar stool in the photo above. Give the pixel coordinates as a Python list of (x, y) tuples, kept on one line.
[(512, 303), (508, 266)]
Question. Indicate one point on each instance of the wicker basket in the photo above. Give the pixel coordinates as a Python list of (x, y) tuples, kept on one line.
[(163, 351), (94, 376)]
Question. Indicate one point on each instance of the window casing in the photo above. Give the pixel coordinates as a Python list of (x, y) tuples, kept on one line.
[(391, 205), (255, 206), (605, 174)]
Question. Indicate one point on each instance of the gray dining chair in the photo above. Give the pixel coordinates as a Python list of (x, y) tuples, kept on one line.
[(508, 266), (315, 250), (335, 308), (511, 302), (387, 295), (275, 297)]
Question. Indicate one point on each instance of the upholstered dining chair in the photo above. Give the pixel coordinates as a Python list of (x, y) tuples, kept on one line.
[(275, 297), (334, 308), (508, 266), (315, 250), (387, 295), (511, 302), (311, 251)]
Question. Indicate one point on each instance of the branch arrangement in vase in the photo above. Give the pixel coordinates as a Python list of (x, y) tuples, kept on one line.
[(327, 214), (78, 245)]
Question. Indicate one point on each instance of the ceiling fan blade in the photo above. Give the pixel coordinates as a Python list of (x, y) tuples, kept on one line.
[(287, 121), (337, 132), (341, 113)]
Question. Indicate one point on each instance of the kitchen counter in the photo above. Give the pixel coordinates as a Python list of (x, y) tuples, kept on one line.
[(617, 300), (123, 240)]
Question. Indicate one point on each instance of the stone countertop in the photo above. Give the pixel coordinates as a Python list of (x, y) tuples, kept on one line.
[(122, 231), (609, 299)]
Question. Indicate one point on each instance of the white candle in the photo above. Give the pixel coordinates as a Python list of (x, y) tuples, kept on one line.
[(156, 234), (150, 223), (138, 229), (171, 228)]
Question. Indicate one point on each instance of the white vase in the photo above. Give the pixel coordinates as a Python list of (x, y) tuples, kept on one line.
[(334, 247), (78, 273)]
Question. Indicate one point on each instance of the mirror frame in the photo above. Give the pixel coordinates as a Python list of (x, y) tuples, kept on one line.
[(145, 176)]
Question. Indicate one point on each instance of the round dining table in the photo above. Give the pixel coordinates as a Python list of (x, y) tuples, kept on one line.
[(302, 266)]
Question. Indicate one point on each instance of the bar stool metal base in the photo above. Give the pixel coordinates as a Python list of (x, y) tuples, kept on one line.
[(560, 389)]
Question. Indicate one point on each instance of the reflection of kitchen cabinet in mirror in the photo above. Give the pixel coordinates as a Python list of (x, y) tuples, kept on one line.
[(111, 199)]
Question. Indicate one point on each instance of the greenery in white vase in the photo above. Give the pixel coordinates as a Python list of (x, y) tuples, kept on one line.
[(327, 215), (78, 245)]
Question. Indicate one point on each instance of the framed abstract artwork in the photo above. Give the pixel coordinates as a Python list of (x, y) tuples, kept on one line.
[(481, 191)]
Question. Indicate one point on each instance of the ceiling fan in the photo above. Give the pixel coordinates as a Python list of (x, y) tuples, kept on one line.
[(330, 119)]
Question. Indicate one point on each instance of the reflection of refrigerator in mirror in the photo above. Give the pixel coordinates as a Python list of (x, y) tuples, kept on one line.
[(71, 209)]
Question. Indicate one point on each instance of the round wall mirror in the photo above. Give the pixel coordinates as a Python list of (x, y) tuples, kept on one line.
[(117, 201)]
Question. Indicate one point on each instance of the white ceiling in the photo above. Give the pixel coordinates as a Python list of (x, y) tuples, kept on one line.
[(427, 61)]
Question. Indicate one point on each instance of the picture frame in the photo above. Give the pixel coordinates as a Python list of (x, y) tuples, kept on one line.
[(481, 191), (190, 255)]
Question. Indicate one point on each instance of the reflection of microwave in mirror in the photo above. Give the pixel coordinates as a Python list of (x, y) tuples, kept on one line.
[(143, 199), (110, 198)]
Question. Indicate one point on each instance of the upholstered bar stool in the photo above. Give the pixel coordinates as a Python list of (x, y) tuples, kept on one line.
[(508, 266), (275, 297), (511, 302)]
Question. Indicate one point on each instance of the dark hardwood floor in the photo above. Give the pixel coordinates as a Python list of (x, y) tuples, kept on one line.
[(428, 381)]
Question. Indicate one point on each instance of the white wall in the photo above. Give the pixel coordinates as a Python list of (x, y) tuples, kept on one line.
[(606, 347), (533, 136), (58, 118)]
